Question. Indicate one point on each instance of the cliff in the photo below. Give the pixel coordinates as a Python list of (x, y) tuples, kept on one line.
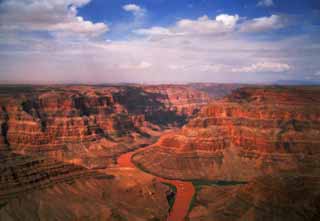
[(91, 124), (216, 90), (38, 188), (285, 197), (252, 132)]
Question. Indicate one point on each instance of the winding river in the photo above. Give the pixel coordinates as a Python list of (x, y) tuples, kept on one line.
[(185, 190)]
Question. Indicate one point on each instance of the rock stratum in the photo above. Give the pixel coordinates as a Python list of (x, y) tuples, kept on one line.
[(90, 125), (252, 132), (279, 197), (59, 145), (253, 155), (39, 188)]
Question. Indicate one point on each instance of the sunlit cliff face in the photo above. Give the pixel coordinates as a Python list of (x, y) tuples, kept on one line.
[(251, 133), (93, 41)]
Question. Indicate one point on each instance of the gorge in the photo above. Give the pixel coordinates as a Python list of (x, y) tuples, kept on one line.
[(123, 152)]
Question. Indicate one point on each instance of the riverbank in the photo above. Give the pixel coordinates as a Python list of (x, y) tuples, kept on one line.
[(184, 194)]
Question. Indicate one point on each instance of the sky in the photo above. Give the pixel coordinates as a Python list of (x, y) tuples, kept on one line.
[(159, 41)]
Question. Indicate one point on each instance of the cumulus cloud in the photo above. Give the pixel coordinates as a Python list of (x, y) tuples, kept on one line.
[(52, 16), (132, 8), (135, 9), (168, 61), (154, 31), (228, 20), (204, 25), (265, 3), (221, 24), (201, 26), (264, 24), (263, 67), (201, 49)]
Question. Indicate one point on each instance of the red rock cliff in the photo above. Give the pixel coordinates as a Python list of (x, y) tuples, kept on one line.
[(76, 123), (255, 131)]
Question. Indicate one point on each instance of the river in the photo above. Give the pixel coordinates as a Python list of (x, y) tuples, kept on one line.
[(185, 190)]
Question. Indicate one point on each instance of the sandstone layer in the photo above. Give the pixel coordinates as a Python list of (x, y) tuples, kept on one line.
[(91, 125), (252, 132), (280, 197), (59, 144), (216, 90), (37, 188)]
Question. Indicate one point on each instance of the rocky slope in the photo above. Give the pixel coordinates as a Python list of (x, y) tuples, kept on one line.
[(253, 132), (285, 197), (268, 137), (90, 125), (216, 90), (37, 188)]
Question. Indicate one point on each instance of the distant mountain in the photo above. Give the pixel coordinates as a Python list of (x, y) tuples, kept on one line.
[(297, 82)]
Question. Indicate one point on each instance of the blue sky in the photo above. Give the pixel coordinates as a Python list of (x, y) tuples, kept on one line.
[(159, 41), (167, 12)]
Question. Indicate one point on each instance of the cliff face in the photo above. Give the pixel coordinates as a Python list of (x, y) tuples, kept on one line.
[(38, 188), (253, 132), (182, 99), (216, 90), (282, 197), (72, 123), (3, 128)]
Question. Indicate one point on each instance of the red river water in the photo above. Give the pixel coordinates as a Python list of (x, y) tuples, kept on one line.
[(185, 190)]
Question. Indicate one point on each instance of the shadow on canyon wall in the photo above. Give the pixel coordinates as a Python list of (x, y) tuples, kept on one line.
[(138, 101)]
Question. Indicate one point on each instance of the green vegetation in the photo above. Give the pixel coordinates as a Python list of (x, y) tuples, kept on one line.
[(2, 205), (216, 183), (171, 198), (199, 183), (117, 217), (194, 197)]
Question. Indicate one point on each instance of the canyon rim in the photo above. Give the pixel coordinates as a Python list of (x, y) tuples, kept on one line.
[(159, 110)]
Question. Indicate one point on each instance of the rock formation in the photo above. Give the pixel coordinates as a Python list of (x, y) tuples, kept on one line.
[(38, 188), (216, 90), (253, 132), (285, 197), (268, 137), (90, 124)]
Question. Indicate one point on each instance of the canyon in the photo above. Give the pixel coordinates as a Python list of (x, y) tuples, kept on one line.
[(90, 126), (123, 152), (253, 155), (59, 146), (252, 132)]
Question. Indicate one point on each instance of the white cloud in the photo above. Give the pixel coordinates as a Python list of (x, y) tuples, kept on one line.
[(52, 16), (221, 24), (263, 67), (212, 67), (168, 61), (132, 8), (154, 31), (204, 25), (317, 73), (138, 66), (135, 9), (228, 20), (79, 26), (144, 65), (263, 24), (265, 3), (202, 49)]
